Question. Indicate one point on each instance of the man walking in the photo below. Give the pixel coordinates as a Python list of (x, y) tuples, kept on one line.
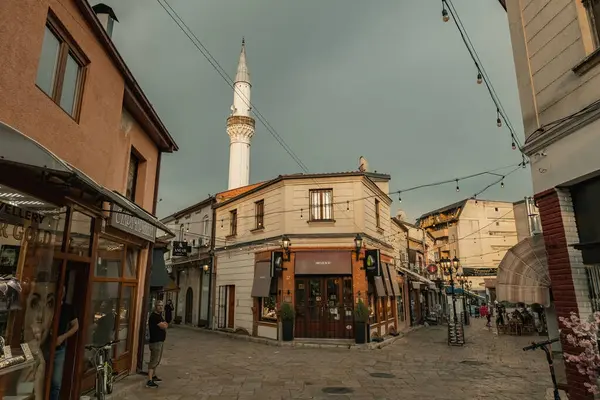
[(157, 328)]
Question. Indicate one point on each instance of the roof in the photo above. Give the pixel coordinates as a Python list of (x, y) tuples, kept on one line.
[(134, 97), (234, 194), (444, 209), (400, 223), (242, 74), (503, 3), (177, 214)]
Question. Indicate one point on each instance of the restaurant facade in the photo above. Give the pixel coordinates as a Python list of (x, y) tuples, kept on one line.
[(80, 151)]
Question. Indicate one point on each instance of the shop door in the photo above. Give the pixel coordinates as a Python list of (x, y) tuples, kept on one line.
[(189, 305), (324, 307)]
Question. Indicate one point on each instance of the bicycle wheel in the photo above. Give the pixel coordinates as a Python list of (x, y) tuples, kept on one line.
[(109, 378), (100, 386)]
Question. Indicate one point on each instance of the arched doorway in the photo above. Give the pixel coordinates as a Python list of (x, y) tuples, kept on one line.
[(189, 305)]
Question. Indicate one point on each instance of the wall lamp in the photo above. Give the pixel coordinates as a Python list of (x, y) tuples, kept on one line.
[(358, 243), (285, 245)]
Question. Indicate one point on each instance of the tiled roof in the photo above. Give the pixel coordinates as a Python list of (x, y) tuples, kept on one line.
[(229, 194)]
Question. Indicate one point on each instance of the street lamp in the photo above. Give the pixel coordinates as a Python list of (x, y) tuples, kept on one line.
[(450, 267), (285, 245), (462, 279), (358, 242)]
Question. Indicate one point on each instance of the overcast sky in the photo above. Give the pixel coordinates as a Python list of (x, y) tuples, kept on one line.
[(337, 79)]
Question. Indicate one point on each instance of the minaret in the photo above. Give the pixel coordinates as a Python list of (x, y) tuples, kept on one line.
[(240, 126)]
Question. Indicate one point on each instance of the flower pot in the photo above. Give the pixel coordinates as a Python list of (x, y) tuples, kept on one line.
[(287, 330), (360, 332)]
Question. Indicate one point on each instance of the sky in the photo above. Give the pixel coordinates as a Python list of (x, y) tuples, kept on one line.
[(387, 80)]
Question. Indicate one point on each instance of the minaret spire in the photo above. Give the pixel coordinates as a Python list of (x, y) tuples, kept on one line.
[(240, 125)]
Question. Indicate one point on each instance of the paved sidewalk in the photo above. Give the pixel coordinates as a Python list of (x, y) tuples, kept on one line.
[(206, 366)]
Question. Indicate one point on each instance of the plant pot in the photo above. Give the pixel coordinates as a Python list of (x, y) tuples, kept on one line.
[(287, 331), (360, 332)]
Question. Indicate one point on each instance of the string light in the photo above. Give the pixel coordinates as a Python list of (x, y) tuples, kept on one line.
[(514, 146), (445, 16), (457, 188), (498, 120), (502, 183), (348, 205), (399, 197), (479, 78)]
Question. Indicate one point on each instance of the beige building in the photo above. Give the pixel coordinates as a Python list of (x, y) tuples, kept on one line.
[(322, 275), (478, 232)]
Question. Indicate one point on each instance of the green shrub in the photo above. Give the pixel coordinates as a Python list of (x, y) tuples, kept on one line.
[(361, 312), (287, 312)]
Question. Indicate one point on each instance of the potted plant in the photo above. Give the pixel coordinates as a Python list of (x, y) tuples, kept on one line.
[(287, 314), (361, 316)]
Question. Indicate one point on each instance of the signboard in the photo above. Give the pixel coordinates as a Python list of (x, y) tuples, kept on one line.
[(122, 220), (480, 271), (323, 263), (372, 262), (276, 263), (180, 249)]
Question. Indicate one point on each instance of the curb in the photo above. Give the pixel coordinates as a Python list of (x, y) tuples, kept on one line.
[(276, 343)]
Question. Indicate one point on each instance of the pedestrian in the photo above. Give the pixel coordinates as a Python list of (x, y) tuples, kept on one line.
[(68, 325), (157, 327), (169, 311), (484, 312)]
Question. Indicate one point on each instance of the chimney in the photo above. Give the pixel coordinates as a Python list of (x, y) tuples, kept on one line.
[(107, 17)]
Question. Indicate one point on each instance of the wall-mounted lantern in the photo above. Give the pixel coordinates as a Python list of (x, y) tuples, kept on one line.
[(285, 245)]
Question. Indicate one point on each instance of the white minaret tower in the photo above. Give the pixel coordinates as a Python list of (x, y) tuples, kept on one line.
[(240, 126)]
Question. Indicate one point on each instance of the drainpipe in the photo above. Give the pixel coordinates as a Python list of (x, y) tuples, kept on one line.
[(145, 304), (213, 269)]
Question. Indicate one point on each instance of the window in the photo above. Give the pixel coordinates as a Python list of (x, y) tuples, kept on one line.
[(232, 222), (268, 305), (593, 9), (205, 233), (377, 212), (132, 176), (321, 205), (61, 69), (259, 210), (496, 209)]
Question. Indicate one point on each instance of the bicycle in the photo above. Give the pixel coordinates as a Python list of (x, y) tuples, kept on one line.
[(104, 368), (545, 346)]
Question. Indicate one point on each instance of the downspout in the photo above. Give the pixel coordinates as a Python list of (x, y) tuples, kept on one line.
[(146, 297), (213, 269)]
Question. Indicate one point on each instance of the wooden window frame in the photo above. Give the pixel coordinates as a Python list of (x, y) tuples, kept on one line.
[(259, 210), (67, 46), (320, 206), (378, 213), (233, 222), (133, 156), (592, 8)]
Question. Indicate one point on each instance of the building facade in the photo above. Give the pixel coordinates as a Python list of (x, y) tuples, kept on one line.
[(190, 261), (478, 232), (556, 53), (311, 223), (80, 153)]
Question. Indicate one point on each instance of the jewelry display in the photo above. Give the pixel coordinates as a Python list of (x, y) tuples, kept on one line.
[(26, 351)]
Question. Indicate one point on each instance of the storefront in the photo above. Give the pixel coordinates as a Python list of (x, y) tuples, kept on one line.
[(64, 240), (323, 286)]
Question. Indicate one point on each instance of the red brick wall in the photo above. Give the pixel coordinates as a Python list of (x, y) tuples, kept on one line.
[(563, 290)]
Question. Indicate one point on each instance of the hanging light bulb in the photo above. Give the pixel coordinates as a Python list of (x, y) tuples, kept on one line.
[(479, 78), (498, 120), (301, 214), (502, 183), (514, 146), (457, 188), (399, 197), (445, 15)]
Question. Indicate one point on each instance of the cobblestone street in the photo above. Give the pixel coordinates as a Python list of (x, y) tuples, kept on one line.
[(199, 365)]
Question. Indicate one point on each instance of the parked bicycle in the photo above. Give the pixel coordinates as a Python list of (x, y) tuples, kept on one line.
[(545, 345), (104, 368)]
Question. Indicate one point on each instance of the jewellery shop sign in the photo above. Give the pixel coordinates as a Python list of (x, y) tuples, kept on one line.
[(123, 220), (13, 220)]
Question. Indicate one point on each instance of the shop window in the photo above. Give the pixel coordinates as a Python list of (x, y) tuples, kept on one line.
[(110, 259), (259, 211), (321, 204), (124, 318), (61, 69), (232, 222), (132, 177), (102, 323), (81, 234)]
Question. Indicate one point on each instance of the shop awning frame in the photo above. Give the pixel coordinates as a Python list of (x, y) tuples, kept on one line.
[(419, 277), (19, 150), (379, 286)]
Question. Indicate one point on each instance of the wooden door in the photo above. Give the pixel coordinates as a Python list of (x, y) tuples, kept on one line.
[(189, 305), (231, 307)]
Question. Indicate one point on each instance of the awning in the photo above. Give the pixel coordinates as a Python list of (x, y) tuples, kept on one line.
[(159, 278), (418, 277), (262, 280), (17, 149), (523, 273), (394, 279), (379, 286), (386, 279)]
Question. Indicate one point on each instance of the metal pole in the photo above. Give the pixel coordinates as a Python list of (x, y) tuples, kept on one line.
[(462, 285), (453, 296)]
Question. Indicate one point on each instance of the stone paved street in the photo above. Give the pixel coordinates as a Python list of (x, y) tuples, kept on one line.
[(199, 365)]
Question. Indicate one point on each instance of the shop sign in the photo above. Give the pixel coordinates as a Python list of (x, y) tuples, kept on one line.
[(180, 249), (120, 219), (16, 218), (323, 262), (480, 271), (372, 262)]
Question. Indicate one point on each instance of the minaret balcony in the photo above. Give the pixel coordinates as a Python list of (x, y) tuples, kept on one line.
[(240, 120)]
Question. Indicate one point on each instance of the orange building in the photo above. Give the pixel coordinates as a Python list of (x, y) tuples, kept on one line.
[(80, 154)]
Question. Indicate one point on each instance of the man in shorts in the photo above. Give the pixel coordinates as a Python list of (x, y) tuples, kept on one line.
[(157, 328)]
